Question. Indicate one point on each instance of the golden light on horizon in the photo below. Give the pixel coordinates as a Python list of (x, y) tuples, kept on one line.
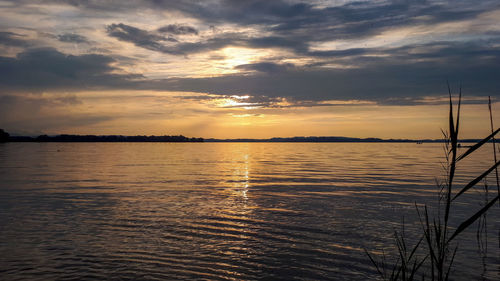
[(240, 116)]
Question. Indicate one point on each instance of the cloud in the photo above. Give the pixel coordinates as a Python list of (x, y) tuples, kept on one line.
[(28, 114), (267, 67), (292, 26), (46, 68), (338, 18), (351, 19), (178, 29), (397, 75), (12, 39), (401, 78), (154, 42), (72, 38), (151, 41), (139, 37), (346, 70), (391, 75), (339, 53)]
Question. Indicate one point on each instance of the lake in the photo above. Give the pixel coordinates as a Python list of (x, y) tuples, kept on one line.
[(223, 211)]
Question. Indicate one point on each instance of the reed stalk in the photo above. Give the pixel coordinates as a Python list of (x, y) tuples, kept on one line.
[(439, 249)]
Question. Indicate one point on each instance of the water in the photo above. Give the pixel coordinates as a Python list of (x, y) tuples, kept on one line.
[(237, 211)]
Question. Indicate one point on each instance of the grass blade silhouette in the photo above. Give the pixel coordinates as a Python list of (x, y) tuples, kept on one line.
[(451, 262), (436, 229), (472, 219), (477, 145), (374, 263), (494, 150), (476, 180), (453, 151)]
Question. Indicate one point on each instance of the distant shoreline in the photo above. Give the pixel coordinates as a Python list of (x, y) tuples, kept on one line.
[(110, 138), (339, 139), (180, 138)]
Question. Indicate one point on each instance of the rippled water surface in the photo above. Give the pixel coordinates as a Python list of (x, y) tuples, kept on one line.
[(239, 211)]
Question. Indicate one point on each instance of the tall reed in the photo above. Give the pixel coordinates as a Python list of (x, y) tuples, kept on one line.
[(438, 250)]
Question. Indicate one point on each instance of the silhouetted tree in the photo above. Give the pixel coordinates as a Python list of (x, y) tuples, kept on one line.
[(4, 136), (111, 138)]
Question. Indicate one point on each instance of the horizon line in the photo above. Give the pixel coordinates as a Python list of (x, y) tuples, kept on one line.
[(182, 138)]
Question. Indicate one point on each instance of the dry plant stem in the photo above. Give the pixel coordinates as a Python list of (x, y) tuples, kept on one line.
[(436, 228), (494, 145), (494, 157), (453, 141)]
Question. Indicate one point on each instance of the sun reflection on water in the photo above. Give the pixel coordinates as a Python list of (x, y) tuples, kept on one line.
[(241, 176), (214, 211)]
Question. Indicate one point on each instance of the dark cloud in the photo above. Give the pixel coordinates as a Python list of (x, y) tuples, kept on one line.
[(351, 20), (138, 37), (72, 38), (292, 26), (399, 78), (380, 74), (267, 67), (12, 39), (339, 53), (287, 24), (46, 68), (148, 40), (178, 29), (296, 44), (154, 42), (243, 12), (398, 75)]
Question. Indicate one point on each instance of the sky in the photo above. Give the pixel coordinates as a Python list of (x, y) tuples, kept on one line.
[(247, 69)]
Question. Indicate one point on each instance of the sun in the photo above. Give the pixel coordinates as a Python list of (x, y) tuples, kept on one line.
[(237, 56), (228, 59), (235, 101), (234, 56)]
